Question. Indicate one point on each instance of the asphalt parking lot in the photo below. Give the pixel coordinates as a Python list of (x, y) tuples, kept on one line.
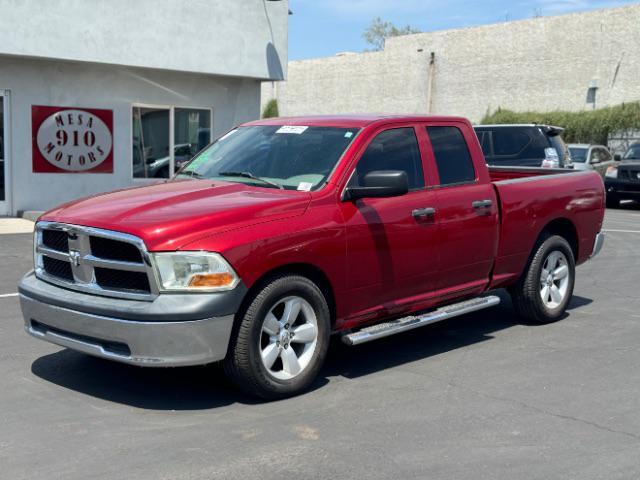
[(477, 397)]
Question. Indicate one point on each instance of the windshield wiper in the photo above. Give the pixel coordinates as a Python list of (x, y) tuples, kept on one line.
[(251, 176)]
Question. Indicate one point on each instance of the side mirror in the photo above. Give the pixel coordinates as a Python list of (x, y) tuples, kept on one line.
[(617, 157), (380, 183)]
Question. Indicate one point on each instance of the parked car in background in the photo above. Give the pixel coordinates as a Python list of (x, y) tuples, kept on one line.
[(591, 157), (288, 230), (622, 180), (524, 146)]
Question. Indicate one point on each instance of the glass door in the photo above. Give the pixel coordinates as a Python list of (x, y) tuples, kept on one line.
[(3, 152)]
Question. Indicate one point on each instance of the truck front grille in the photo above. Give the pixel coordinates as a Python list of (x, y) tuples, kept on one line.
[(121, 280), (57, 240), (57, 268), (92, 260), (628, 173), (115, 250)]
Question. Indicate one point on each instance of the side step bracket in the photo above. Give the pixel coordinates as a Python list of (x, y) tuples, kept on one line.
[(387, 329)]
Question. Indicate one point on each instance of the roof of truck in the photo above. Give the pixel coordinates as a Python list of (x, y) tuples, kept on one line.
[(350, 121)]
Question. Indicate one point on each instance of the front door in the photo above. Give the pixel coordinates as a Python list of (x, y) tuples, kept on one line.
[(392, 249), (4, 150)]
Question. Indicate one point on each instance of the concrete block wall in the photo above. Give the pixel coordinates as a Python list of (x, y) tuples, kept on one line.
[(543, 63)]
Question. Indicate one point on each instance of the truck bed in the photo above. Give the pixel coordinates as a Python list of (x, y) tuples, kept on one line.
[(530, 200), (511, 173)]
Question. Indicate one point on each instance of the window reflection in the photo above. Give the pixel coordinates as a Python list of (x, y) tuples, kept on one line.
[(150, 142), (192, 132)]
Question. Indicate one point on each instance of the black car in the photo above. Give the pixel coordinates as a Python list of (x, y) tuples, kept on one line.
[(524, 146), (622, 181)]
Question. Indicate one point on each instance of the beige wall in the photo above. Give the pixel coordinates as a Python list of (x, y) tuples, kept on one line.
[(543, 63)]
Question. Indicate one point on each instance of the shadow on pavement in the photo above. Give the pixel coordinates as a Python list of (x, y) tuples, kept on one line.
[(199, 388)]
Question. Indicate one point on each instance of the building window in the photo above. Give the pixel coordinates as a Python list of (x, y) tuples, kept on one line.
[(164, 138)]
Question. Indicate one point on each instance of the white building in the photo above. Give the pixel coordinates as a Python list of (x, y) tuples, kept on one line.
[(98, 95)]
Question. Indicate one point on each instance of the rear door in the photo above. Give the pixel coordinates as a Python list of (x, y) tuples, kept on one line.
[(392, 243), (467, 213)]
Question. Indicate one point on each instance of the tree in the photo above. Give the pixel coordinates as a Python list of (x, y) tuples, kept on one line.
[(379, 30), (271, 109)]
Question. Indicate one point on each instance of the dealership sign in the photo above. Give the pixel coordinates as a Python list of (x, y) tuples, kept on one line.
[(72, 140)]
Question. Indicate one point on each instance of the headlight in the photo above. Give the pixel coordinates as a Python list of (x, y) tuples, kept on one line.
[(194, 271), (612, 172)]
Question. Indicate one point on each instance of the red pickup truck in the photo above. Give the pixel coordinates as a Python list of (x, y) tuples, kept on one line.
[(286, 231)]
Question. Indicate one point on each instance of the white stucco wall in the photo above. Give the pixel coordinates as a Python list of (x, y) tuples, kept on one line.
[(75, 84), (245, 38), (538, 64)]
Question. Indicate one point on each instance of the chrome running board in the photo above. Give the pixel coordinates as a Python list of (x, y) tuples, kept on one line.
[(387, 329)]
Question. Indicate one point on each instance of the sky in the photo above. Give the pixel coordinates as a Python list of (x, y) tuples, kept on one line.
[(322, 28)]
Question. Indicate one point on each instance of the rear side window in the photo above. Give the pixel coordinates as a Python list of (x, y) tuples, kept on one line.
[(507, 141), (395, 149), (452, 155)]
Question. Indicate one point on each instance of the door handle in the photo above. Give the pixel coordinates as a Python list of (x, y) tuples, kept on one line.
[(479, 204), (423, 212)]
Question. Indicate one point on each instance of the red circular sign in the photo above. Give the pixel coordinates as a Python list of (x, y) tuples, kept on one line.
[(72, 140)]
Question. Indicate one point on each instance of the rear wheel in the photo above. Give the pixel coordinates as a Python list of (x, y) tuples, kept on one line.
[(281, 340), (543, 293)]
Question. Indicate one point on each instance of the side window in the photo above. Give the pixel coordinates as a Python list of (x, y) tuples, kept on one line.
[(595, 156), (395, 149), (509, 141), (452, 155)]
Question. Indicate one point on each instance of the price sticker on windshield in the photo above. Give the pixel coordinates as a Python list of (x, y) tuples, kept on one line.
[(305, 186), (291, 129)]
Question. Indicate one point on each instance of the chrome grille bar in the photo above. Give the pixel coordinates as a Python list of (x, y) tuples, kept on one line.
[(83, 262)]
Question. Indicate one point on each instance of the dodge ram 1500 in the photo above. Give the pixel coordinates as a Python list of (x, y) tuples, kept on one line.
[(286, 231)]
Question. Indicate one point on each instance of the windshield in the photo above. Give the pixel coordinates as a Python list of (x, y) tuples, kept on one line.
[(633, 153), (578, 154), (290, 157)]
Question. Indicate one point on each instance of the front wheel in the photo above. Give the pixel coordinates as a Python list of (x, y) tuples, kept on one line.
[(281, 340), (546, 288)]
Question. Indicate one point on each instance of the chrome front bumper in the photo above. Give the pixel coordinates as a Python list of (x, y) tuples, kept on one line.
[(598, 244), (153, 344)]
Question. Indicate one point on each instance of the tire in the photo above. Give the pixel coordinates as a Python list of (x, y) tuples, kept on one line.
[(255, 342), (528, 293), (613, 202)]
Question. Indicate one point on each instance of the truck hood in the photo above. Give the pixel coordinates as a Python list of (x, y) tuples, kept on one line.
[(172, 214)]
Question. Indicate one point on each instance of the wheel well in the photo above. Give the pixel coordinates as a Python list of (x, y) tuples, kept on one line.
[(564, 228), (309, 271)]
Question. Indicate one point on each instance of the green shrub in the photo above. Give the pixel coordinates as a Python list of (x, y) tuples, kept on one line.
[(270, 109), (590, 126)]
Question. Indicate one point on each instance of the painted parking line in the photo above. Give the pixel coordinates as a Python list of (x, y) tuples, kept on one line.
[(622, 231), (7, 295)]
